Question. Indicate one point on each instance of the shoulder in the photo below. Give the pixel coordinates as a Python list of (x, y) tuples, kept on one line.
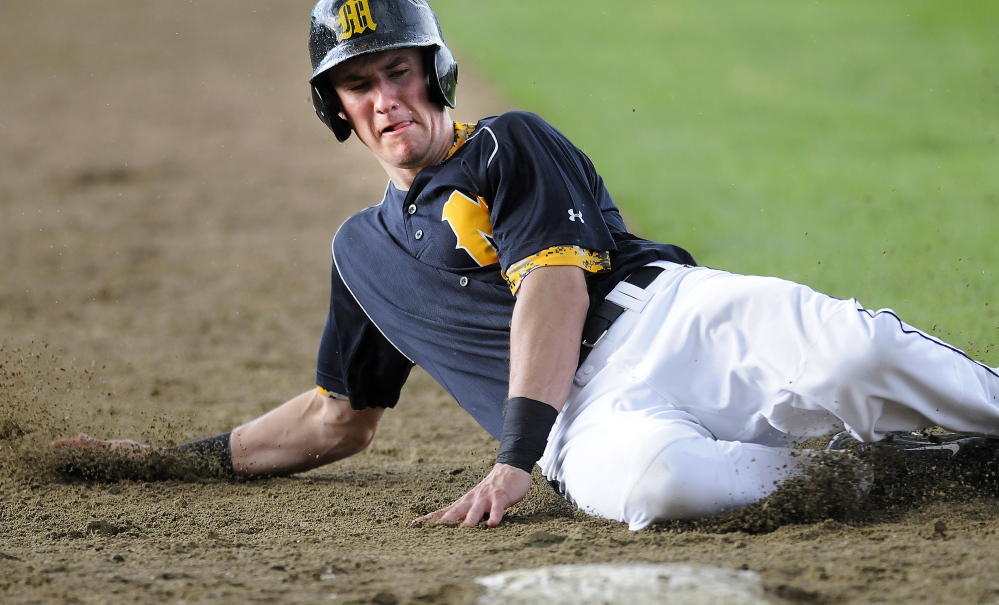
[(514, 135), (372, 215), (517, 118), (513, 122)]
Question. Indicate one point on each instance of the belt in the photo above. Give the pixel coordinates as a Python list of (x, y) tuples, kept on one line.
[(597, 324)]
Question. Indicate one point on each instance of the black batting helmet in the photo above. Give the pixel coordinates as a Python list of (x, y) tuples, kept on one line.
[(344, 29)]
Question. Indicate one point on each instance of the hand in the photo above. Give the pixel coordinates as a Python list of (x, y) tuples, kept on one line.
[(503, 487), (84, 440)]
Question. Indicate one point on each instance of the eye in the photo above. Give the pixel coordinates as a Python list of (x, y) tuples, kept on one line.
[(398, 73)]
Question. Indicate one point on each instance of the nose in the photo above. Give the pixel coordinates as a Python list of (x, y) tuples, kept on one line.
[(387, 96)]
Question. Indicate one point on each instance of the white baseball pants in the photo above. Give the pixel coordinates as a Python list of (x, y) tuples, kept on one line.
[(687, 404)]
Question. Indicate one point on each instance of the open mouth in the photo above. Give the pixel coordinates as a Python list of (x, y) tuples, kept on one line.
[(395, 127)]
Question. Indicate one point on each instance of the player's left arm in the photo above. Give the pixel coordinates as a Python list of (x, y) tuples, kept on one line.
[(545, 333)]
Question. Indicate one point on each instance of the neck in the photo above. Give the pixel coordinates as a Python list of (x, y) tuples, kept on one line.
[(403, 177)]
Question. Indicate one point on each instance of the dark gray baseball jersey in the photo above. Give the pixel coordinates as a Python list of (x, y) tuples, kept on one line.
[(429, 275)]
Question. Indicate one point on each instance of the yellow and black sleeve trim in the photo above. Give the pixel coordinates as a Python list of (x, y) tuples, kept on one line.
[(331, 394), (587, 260)]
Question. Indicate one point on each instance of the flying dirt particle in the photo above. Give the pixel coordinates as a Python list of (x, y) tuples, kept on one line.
[(939, 529), (103, 528)]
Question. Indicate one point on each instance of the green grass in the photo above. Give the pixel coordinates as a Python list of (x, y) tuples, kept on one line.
[(849, 145)]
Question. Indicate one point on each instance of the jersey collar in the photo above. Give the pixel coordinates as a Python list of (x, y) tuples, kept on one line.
[(461, 133)]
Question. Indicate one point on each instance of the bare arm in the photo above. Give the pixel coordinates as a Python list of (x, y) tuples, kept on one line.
[(545, 334), (303, 433)]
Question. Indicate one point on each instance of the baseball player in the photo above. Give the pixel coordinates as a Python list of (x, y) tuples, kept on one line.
[(644, 386)]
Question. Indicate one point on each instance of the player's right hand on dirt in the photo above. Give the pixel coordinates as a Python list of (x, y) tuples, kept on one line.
[(84, 440), (503, 487)]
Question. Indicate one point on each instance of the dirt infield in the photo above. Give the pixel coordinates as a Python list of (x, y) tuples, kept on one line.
[(167, 199)]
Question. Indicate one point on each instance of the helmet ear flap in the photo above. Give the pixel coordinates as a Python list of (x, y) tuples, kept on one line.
[(327, 107), (442, 75), (447, 74)]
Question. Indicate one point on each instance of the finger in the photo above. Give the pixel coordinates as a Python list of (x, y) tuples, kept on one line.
[(434, 516), (426, 517), (438, 516), (425, 520), (456, 512), (82, 439), (475, 513), (495, 514)]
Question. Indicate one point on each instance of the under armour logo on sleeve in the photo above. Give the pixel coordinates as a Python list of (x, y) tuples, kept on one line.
[(574, 215)]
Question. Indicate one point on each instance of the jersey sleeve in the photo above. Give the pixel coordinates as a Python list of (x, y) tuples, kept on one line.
[(547, 203), (355, 359), (590, 261)]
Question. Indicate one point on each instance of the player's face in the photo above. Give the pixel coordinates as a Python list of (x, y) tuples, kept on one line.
[(385, 100)]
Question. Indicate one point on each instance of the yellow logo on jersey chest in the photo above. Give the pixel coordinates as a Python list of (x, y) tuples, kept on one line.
[(355, 18), (469, 219)]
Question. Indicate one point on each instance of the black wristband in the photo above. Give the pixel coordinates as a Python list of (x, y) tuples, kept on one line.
[(525, 432), (215, 452)]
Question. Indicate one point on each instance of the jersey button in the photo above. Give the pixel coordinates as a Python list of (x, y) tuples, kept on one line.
[(419, 234), (411, 209), (463, 281)]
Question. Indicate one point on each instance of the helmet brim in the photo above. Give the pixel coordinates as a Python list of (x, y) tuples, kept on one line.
[(345, 52)]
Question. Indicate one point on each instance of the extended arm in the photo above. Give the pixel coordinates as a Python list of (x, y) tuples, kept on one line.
[(545, 334), (305, 432)]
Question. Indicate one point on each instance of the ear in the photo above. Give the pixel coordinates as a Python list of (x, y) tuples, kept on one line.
[(343, 117)]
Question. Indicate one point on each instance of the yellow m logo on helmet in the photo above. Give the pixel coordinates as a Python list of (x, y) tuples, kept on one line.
[(355, 18)]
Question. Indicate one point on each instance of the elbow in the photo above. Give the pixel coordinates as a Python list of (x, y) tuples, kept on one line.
[(349, 432), (357, 440)]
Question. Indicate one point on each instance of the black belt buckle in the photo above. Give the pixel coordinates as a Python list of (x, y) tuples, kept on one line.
[(598, 323)]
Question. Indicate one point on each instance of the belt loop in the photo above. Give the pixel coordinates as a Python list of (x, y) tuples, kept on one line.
[(620, 298)]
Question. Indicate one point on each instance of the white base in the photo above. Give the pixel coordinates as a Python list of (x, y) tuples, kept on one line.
[(634, 584)]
